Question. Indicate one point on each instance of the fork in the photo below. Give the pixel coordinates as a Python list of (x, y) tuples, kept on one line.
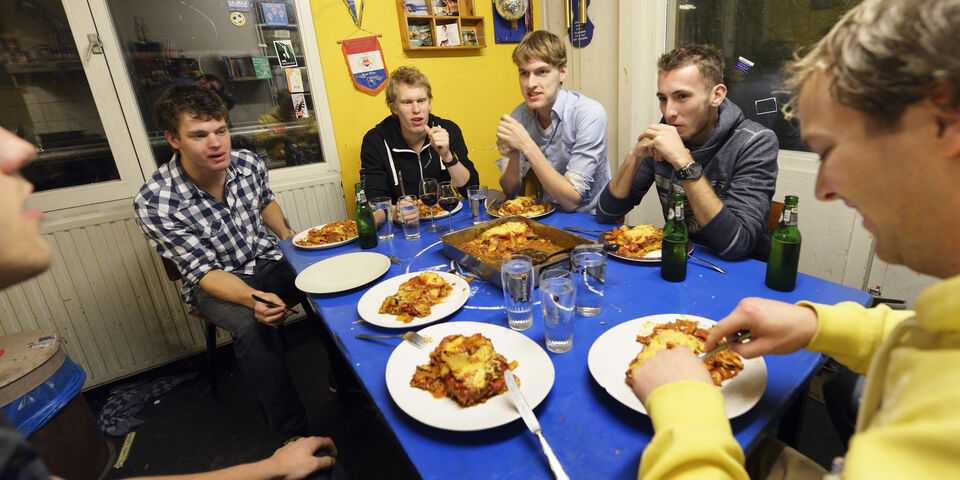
[(413, 337), (739, 337)]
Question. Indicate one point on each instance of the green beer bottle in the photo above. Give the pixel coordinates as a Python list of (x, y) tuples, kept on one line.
[(673, 262), (784, 249), (363, 215)]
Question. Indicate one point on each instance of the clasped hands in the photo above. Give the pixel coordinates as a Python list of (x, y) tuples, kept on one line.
[(511, 137), (663, 143), (776, 328)]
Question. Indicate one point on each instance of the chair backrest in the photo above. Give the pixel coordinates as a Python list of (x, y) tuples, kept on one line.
[(171, 268), (776, 208)]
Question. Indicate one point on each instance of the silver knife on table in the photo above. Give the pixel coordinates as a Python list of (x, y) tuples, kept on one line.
[(526, 413)]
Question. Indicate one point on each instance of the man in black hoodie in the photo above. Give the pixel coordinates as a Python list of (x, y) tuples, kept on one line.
[(704, 147), (413, 144)]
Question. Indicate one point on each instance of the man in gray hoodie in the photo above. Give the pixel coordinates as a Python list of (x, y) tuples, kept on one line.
[(725, 164)]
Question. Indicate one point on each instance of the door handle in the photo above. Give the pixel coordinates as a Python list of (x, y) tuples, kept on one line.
[(95, 46)]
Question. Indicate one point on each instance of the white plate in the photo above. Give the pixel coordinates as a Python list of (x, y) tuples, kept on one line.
[(343, 272), (370, 302), (303, 234), (651, 257), (444, 213), (534, 369), (611, 354)]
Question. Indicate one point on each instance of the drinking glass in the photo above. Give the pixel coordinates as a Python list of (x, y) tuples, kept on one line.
[(516, 274), (430, 195), (448, 200), (558, 303), (589, 266), (409, 213), (385, 229), (478, 203)]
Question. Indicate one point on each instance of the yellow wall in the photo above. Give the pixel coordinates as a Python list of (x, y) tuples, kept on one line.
[(471, 87)]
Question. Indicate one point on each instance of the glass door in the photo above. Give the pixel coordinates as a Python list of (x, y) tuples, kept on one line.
[(56, 92)]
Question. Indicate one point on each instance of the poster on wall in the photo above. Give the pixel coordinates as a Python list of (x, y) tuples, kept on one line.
[(274, 13), (300, 105), (238, 5), (365, 62), (285, 54), (294, 80)]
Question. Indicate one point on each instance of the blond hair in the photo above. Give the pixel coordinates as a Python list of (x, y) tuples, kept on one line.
[(408, 76), (884, 55), (541, 45), (707, 59)]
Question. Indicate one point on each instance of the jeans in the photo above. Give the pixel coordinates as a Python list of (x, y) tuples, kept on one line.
[(258, 348)]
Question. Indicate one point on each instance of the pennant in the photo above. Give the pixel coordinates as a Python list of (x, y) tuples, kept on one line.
[(365, 62), (355, 7)]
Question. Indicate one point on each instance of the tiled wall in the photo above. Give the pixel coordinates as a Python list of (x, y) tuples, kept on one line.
[(61, 102)]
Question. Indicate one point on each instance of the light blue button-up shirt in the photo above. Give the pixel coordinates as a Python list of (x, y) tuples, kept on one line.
[(575, 144)]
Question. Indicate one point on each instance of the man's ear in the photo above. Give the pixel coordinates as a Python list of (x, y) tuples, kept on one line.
[(563, 72), (717, 94), (173, 139), (946, 114)]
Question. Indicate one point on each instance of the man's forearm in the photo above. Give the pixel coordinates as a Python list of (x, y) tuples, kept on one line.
[(260, 470), (273, 217), (459, 175), (622, 181), (228, 287), (703, 200), (559, 188), (510, 180)]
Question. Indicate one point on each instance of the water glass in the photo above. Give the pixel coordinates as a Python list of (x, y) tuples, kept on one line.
[(589, 267), (409, 213), (385, 229), (558, 303), (478, 203), (516, 273)]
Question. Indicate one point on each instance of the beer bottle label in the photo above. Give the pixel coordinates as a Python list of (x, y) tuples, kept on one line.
[(786, 216)]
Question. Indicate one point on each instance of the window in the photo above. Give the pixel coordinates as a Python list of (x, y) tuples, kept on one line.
[(253, 59), (766, 33)]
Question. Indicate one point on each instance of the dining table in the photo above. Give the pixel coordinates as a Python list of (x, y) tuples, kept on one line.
[(592, 434)]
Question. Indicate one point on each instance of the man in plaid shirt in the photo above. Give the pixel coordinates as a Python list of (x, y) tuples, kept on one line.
[(206, 210)]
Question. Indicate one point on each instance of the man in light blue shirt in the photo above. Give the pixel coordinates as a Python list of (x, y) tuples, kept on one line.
[(559, 134)]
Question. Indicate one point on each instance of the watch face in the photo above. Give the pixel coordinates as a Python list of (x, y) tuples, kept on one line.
[(691, 171)]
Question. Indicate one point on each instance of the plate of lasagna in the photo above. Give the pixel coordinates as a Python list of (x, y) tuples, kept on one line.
[(457, 382), (612, 355), (438, 211), (639, 244), (526, 206), (328, 235), (413, 299)]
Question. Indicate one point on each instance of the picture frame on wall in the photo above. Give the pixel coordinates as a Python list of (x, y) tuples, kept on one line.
[(285, 53), (470, 37)]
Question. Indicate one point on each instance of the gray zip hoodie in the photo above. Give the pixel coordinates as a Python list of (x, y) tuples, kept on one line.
[(739, 160)]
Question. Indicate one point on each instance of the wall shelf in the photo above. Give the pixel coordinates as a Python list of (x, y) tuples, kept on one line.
[(414, 28)]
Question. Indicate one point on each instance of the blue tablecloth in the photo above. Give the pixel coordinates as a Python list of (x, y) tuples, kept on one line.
[(593, 435)]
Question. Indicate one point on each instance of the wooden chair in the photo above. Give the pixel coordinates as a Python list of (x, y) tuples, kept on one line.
[(210, 330), (776, 208)]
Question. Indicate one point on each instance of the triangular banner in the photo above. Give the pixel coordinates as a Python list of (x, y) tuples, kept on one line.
[(365, 61)]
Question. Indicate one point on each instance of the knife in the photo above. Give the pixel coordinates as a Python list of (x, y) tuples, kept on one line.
[(526, 413)]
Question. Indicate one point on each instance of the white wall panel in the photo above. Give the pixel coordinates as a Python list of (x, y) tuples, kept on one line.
[(107, 295)]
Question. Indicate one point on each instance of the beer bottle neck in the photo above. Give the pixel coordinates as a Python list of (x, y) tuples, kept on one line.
[(789, 216)]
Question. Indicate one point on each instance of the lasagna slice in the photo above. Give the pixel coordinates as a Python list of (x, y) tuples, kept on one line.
[(330, 233), (635, 242), (526, 206), (465, 369), (722, 366), (416, 296)]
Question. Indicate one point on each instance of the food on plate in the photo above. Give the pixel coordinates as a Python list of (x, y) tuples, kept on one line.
[(635, 242), (330, 233), (416, 296), (508, 237), (526, 206), (722, 366), (425, 210), (465, 369)]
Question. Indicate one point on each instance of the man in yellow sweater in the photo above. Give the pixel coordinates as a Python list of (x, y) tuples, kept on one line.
[(879, 100)]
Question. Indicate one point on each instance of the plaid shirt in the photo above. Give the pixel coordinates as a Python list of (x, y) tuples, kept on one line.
[(197, 231)]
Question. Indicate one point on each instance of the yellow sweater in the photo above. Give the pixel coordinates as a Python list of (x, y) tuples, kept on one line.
[(909, 421)]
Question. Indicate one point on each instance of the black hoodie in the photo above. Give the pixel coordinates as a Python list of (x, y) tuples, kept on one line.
[(384, 154)]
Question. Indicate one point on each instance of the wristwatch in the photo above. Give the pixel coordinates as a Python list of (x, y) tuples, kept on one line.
[(452, 163), (691, 171)]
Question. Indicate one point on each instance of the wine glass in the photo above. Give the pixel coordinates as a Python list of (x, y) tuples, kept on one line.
[(430, 195), (449, 200)]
